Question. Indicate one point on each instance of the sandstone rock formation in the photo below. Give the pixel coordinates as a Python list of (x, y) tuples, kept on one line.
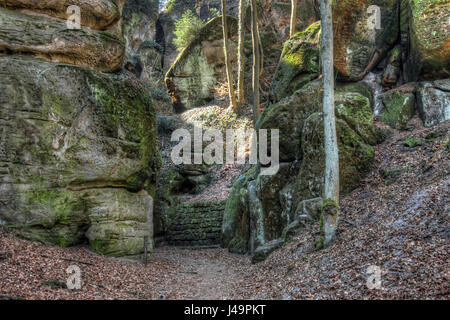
[(95, 14), (425, 30), (139, 22), (433, 101), (299, 63), (199, 66), (78, 147), (260, 207), (359, 43), (50, 39)]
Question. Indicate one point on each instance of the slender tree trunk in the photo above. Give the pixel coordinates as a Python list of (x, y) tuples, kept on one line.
[(261, 49), (241, 57), (293, 17), (227, 60), (331, 192), (256, 60)]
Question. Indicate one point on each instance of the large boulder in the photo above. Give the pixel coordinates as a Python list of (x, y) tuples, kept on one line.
[(50, 39), (288, 116), (95, 14), (200, 65), (260, 206), (355, 158), (424, 35), (433, 102), (78, 156), (299, 63), (398, 106), (359, 44)]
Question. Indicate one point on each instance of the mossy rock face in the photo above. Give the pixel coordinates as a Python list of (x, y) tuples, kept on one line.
[(391, 73), (50, 39), (235, 224), (433, 101), (71, 131), (299, 63), (200, 65), (355, 158), (398, 108), (425, 40), (357, 40), (356, 135), (260, 207), (290, 114), (169, 182)]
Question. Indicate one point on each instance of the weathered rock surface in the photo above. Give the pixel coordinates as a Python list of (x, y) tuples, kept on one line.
[(359, 44), (424, 35), (433, 101), (151, 58), (288, 116), (76, 148), (199, 66), (299, 63), (398, 106), (95, 14), (169, 182), (50, 39), (260, 207), (139, 21)]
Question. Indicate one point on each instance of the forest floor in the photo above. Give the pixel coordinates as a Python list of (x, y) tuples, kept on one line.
[(396, 221)]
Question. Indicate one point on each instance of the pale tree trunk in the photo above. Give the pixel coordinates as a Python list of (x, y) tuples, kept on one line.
[(261, 49), (227, 59), (293, 17), (331, 192), (256, 60), (241, 57)]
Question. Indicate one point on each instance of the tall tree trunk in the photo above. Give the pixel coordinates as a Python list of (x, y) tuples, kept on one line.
[(331, 192), (241, 57), (293, 17), (256, 60), (227, 60), (261, 49)]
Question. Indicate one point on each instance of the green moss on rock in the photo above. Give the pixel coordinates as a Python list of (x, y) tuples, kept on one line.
[(299, 63), (399, 109)]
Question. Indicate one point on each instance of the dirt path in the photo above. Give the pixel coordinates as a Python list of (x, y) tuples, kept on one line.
[(205, 273)]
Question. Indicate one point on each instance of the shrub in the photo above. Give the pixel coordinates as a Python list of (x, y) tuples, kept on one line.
[(186, 29), (214, 13)]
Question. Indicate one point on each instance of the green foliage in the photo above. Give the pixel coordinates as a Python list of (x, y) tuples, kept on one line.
[(412, 142), (186, 29), (214, 13)]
